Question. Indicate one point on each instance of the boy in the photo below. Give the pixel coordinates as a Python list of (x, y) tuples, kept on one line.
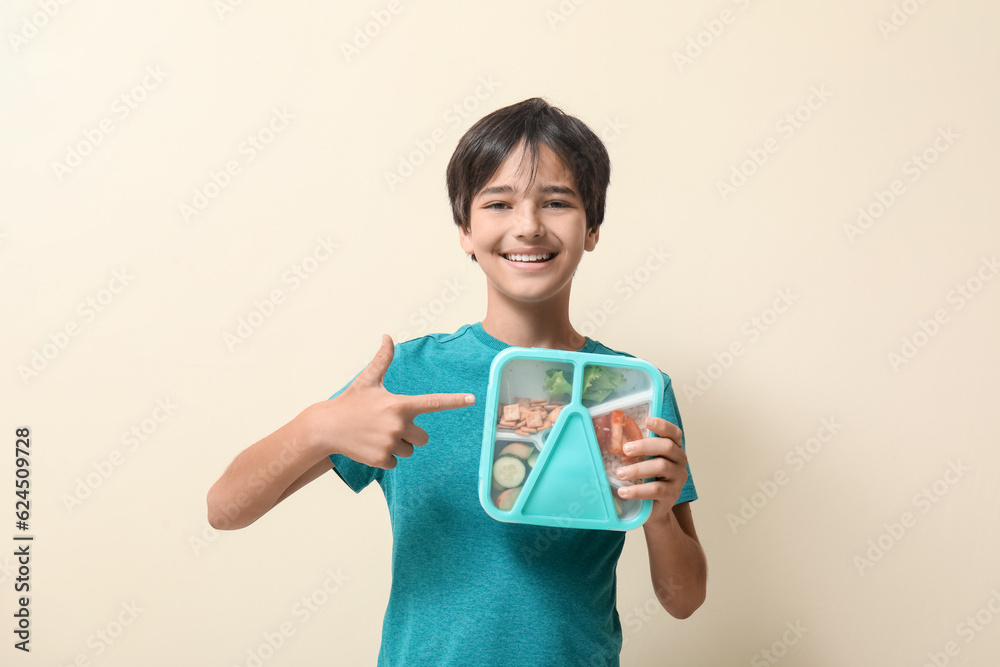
[(527, 185)]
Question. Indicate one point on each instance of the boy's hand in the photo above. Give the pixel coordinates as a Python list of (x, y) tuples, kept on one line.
[(372, 426), (669, 467)]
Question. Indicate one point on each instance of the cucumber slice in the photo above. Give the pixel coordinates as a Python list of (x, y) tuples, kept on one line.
[(506, 500), (533, 459), (509, 471)]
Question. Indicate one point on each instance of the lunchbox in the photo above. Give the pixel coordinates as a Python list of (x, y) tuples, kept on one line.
[(555, 422)]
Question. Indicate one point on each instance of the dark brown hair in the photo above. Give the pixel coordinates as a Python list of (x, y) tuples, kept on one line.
[(484, 147)]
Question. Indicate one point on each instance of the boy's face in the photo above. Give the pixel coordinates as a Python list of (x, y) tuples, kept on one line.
[(529, 238)]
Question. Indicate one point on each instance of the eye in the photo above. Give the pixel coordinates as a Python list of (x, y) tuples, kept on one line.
[(559, 204), (496, 206)]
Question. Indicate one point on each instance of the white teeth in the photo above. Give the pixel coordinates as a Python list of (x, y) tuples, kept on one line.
[(529, 258)]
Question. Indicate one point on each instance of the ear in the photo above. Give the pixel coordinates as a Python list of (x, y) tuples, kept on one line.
[(592, 236), (465, 240)]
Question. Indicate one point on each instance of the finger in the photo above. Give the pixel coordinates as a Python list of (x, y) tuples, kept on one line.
[(374, 372), (657, 490), (415, 435), (403, 449), (422, 403), (657, 467), (663, 428), (664, 447)]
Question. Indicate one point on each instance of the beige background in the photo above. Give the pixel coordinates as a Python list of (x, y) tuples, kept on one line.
[(674, 131)]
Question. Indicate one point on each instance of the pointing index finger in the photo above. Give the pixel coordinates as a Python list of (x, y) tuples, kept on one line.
[(422, 403)]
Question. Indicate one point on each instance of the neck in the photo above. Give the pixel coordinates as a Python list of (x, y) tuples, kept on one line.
[(540, 324)]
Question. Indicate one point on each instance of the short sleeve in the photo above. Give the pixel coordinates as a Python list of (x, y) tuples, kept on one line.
[(672, 414), (355, 475)]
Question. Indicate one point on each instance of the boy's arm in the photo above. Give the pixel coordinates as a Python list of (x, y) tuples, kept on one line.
[(365, 423), (324, 465), (677, 563), (264, 474)]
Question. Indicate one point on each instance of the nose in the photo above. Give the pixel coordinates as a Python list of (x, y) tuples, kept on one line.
[(527, 221)]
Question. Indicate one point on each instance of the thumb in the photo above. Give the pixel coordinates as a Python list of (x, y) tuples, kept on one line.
[(374, 372)]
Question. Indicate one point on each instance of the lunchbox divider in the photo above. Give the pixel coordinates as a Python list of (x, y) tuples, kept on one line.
[(546, 493)]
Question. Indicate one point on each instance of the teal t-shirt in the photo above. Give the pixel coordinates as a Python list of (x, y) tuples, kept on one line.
[(468, 589)]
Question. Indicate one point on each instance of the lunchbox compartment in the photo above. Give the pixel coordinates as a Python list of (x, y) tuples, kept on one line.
[(525, 406), (633, 417), (526, 451), (604, 383)]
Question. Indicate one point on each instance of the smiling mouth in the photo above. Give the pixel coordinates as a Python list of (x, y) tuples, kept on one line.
[(514, 257)]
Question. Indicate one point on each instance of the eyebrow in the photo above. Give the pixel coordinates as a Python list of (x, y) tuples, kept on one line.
[(545, 189)]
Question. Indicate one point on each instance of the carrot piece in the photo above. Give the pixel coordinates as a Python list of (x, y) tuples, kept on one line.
[(630, 433), (617, 423), (602, 429), (631, 430)]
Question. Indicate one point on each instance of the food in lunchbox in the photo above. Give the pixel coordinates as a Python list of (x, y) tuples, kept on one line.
[(519, 449), (510, 469), (598, 383), (630, 431), (602, 428), (506, 500), (557, 384), (617, 426), (613, 429), (526, 416)]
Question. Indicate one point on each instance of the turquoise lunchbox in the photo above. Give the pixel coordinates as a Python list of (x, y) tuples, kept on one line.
[(555, 423)]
